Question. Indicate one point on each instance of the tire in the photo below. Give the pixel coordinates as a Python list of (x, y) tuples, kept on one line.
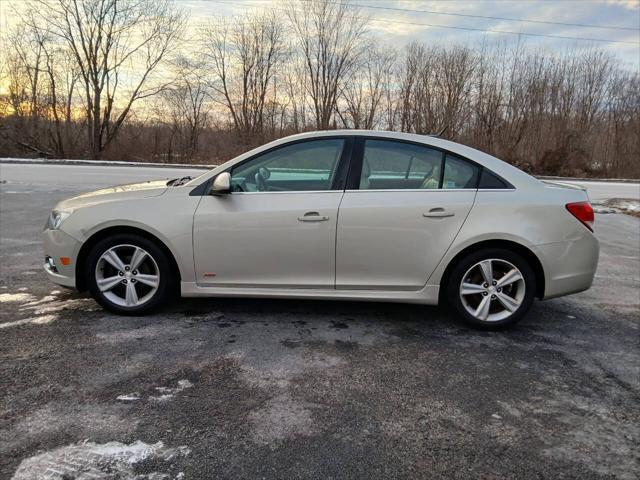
[(509, 295), (150, 279)]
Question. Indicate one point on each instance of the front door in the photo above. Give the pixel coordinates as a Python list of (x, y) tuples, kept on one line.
[(400, 214), (277, 228)]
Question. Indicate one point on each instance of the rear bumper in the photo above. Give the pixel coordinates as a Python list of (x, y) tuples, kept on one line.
[(59, 245), (570, 266)]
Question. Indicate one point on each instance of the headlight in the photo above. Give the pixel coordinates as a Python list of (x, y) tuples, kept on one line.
[(56, 218)]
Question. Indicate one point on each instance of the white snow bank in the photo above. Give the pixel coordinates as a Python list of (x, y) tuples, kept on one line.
[(120, 163), (617, 205), (88, 460)]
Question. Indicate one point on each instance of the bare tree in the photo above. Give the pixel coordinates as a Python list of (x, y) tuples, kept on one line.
[(76, 66), (185, 107), (295, 90), (488, 96), (244, 56), (367, 88), (25, 63), (453, 81), (330, 35), (117, 46)]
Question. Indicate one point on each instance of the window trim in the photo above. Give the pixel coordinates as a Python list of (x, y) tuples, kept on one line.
[(349, 167), (357, 159)]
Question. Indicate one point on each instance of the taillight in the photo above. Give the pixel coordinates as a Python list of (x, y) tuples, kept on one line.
[(583, 211)]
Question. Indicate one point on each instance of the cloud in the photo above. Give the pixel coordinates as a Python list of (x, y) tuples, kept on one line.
[(630, 4)]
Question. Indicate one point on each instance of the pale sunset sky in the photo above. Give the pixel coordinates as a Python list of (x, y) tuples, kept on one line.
[(396, 22)]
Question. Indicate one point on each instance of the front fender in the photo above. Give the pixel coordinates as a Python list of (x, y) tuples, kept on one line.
[(169, 218)]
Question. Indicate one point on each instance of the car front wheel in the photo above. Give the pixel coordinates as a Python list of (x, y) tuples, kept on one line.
[(491, 288), (128, 274)]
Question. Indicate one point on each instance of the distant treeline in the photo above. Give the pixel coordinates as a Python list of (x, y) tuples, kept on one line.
[(87, 79)]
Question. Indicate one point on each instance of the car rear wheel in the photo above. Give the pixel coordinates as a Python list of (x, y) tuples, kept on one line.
[(491, 288), (128, 274)]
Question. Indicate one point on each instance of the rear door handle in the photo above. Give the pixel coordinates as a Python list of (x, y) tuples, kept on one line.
[(313, 217), (438, 213)]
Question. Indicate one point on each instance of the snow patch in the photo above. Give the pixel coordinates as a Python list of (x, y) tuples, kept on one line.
[(43, 309), (41, 320), (168, 393), (88, 460), (131, 397), (84, 304), (617, 205), (45, 299), (16, 297)]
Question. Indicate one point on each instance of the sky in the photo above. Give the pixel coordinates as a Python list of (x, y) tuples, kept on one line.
[(397, 22)]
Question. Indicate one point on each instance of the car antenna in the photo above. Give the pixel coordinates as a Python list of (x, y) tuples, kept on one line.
[(439, 134)]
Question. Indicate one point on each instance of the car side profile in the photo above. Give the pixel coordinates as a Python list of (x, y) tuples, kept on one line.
[(343, 214)]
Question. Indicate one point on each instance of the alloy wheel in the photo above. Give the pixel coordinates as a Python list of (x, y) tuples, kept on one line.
[(127, 275), (492, 290)]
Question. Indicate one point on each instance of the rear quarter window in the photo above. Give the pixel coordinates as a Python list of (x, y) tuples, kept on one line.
[(489, 180)]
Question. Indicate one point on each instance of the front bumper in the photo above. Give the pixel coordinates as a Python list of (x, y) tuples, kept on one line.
[(60, 247)]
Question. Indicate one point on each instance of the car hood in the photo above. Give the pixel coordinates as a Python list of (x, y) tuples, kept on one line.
[(119, 192)]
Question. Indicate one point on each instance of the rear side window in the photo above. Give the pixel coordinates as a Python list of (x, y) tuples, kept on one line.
[(490, 180), (390, 165), (459, 173)]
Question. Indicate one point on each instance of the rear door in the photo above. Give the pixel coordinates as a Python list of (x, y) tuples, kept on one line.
[(402, 209)]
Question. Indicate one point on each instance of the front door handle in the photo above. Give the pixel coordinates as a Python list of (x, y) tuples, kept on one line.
[(313, 217), (438, 213)]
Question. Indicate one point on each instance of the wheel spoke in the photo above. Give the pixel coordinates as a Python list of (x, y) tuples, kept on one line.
[(482, 312), (137, 258), (487, 271), (471, 289), (112, 257), (131, 297), (151, 280), (508, 302), (105, 284), (510, 277)]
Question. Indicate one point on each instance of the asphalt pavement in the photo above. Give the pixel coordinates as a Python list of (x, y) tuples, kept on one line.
[(222, 388)]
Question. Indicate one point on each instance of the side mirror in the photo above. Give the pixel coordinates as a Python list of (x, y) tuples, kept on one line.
[(221, 184)]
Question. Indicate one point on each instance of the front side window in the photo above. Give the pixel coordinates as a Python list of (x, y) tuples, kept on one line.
[(304, 166), (390, 165)]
